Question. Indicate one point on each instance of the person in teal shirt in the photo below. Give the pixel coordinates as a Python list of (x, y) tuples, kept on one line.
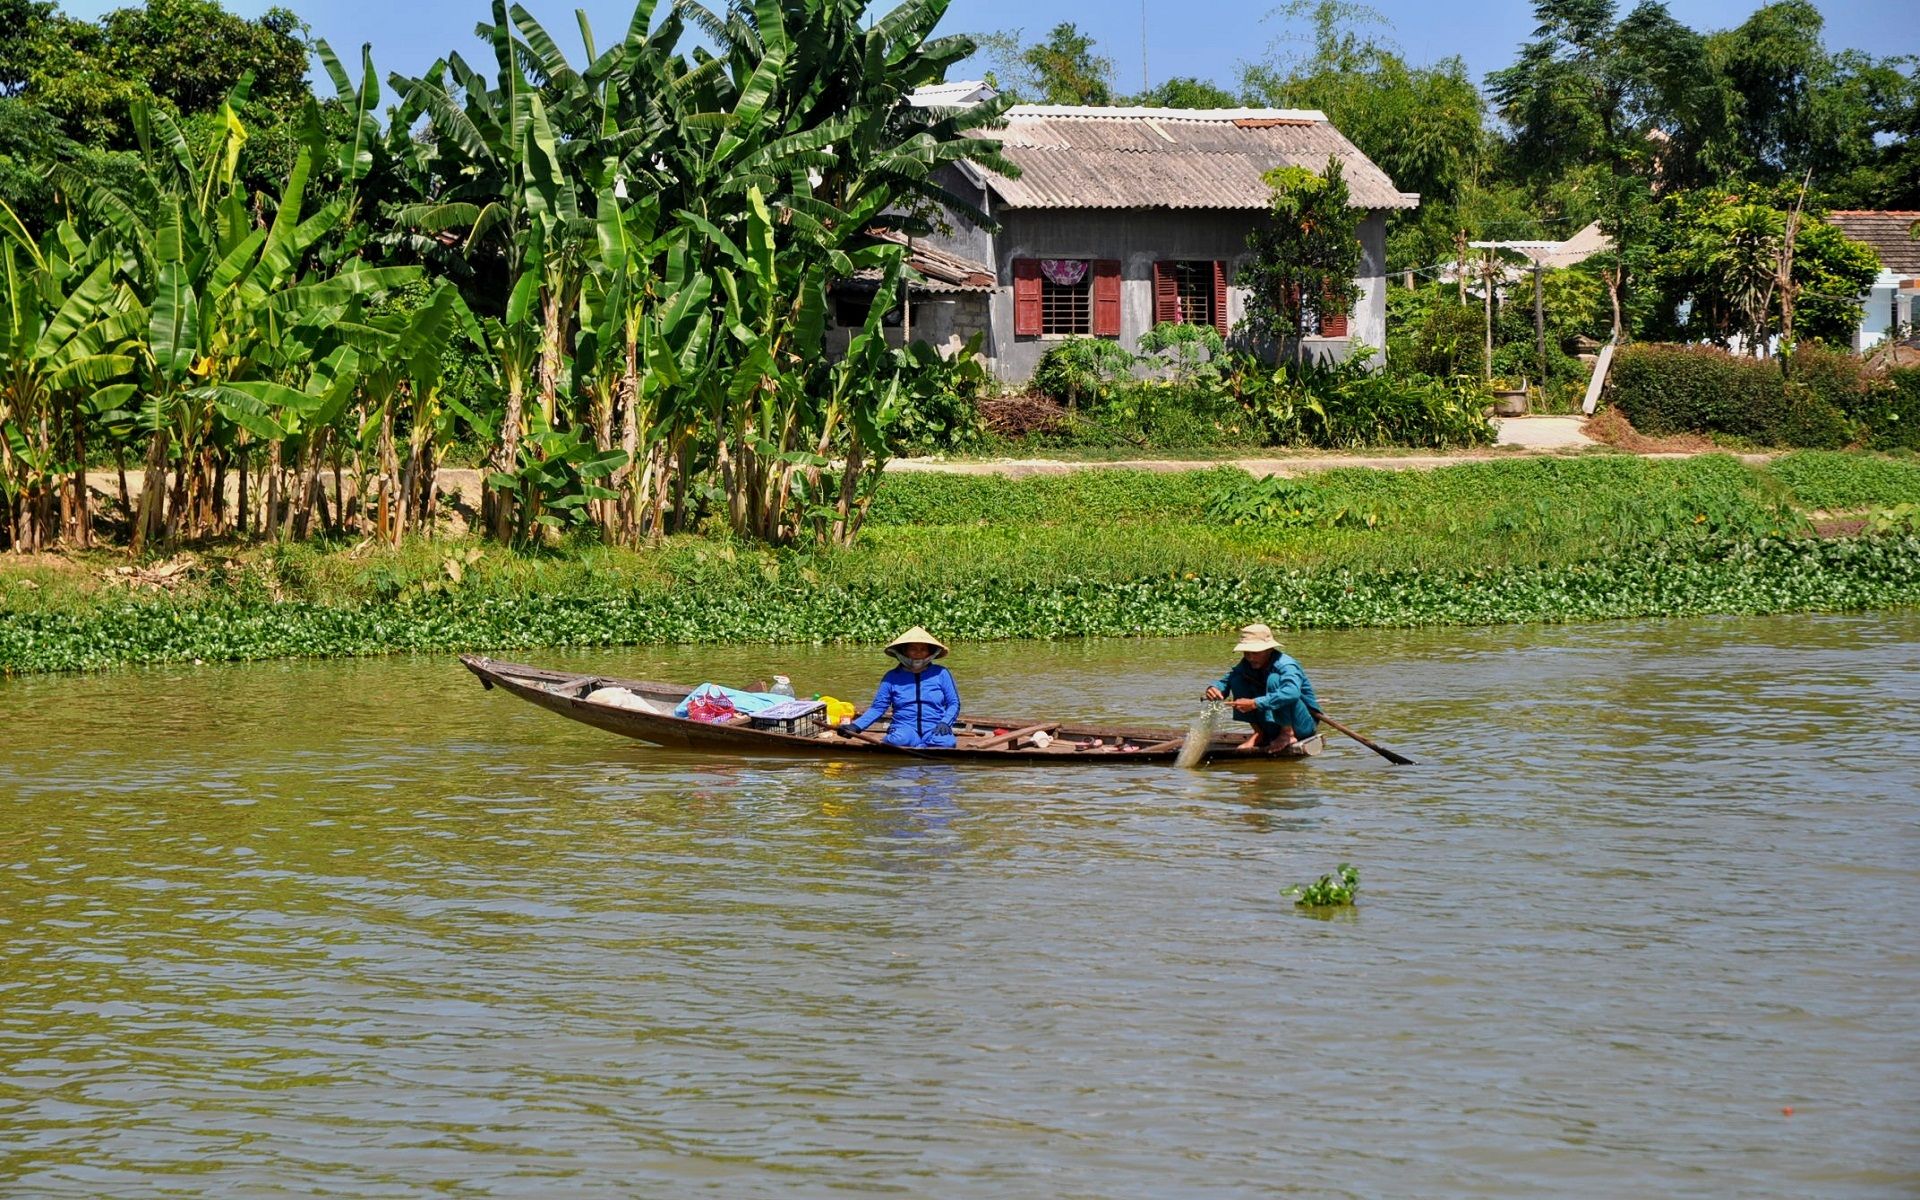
[(1269, 691)]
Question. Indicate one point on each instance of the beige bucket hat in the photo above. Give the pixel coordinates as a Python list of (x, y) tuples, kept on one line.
[(918, 634), (1255, 637)]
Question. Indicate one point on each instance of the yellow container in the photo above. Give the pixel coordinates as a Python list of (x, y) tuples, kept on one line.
[(838, 710)]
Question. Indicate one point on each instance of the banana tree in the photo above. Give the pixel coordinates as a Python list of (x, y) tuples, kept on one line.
[(220, 294), (65, 327)]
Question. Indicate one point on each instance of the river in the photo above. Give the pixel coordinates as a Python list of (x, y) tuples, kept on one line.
[(359, 928)]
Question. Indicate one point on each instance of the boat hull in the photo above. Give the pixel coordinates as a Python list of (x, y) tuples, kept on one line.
[(565, 693)]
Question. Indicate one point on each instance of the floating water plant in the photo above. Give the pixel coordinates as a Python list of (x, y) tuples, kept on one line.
[(1329, 891)]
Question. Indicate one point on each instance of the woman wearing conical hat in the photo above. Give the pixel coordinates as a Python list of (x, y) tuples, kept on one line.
[(918, 691), (1269, 691)]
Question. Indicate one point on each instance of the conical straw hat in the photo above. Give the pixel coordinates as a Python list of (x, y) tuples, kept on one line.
[(918, 634)]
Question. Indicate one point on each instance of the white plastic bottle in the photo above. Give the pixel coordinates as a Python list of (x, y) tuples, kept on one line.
[(782, 686)]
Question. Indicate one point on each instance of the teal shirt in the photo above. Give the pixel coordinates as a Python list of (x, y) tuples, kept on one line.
[(1281, 692)]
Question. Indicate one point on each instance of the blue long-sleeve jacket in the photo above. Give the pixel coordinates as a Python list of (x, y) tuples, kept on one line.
[(1280, 691), (925, 706)]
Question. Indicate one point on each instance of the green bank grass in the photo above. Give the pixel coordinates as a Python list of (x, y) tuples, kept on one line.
[(1838, 481), (1103, 553)]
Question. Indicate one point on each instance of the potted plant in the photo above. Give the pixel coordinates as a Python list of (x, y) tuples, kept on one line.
[(1509, 396)]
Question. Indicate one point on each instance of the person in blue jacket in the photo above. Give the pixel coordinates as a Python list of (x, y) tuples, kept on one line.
[(919, 692), (1268, 690)]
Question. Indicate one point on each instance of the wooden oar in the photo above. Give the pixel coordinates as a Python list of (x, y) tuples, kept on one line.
[(1003, 739), (1398, 760)]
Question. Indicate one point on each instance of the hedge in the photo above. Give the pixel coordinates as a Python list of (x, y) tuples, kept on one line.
[(1700, 389)]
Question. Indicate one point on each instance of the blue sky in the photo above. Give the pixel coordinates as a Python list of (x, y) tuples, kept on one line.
[(1206, 38)]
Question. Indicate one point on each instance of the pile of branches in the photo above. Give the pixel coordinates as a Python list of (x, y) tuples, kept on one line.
[(1023, 415)]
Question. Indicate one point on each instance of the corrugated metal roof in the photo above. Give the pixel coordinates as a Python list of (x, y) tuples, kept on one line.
[(1890, 233), (938, 270), (959, 92), (1172, 158)]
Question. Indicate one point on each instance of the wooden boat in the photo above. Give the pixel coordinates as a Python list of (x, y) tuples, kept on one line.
[(981, 739)]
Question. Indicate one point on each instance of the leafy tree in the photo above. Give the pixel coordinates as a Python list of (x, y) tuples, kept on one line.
[(1186, 92), (186, 54), (1422, 125), (191, 53), (1593, 88), (1793, 107), (20, 22), (1719, 255), (1304, 259), (1061, 70), (29, 140)]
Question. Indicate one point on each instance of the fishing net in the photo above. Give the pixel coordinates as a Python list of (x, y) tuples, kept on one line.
[(1206, 723)]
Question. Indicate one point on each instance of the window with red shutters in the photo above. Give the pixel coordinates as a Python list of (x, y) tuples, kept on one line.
[(1026, 297), (1106, 298), (1220, 297), (1333, 317), (1190, 292), (1166, 293)]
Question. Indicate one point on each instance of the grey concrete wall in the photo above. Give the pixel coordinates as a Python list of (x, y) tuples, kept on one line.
[(1138, 239), (945, 321), (963, 238)]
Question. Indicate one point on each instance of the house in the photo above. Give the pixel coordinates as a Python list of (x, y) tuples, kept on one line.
[(1123, 218), (1894, 299)]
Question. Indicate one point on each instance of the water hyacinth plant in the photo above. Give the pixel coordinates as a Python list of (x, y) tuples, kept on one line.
[(1329, 891)]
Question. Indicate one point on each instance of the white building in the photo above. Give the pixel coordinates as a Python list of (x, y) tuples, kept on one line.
[(1894, 298)]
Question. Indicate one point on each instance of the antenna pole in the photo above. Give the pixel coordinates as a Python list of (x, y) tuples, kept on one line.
[(1145, 83)]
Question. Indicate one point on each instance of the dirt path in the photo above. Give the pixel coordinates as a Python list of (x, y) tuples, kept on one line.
[(1519, 437)]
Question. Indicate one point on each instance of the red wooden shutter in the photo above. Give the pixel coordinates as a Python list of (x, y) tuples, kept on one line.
[(1333, 320), (1166, 293), (1220, 297), (1026, 297), (1106, 297)]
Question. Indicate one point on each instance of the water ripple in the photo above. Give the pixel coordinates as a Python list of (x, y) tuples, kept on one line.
[(357, 928)]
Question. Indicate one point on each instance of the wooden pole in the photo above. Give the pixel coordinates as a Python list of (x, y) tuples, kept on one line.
[(1486, 286), (1786, 269), (1540, 326)]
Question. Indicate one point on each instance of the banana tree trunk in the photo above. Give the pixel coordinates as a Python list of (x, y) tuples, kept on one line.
[(310, 492), (270, 517), (149, 522), (82, 501), (497, 505)]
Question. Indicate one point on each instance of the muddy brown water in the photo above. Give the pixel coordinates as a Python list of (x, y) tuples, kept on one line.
[(358, 928)]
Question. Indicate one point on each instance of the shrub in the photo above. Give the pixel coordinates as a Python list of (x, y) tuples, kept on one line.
[(1450, 340), (1808, 420), (1082, 370), (1187, 353), (1889, 413), (1698, 389), (1832, 375), (939, 405), (1347, 405)]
